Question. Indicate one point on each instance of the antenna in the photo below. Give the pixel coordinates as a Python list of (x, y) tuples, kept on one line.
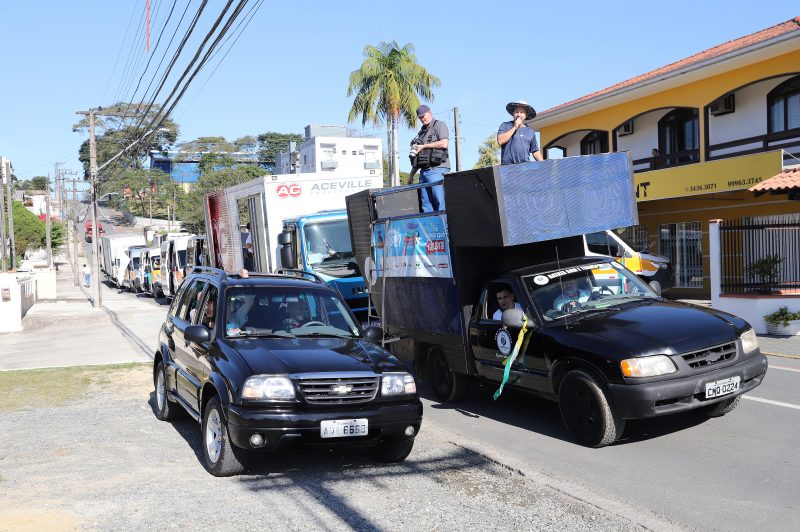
[(561, 285)]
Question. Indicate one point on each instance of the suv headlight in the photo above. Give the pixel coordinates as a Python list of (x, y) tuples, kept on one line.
[(749, 341), (651, 366), (268, 387), (397, 384)]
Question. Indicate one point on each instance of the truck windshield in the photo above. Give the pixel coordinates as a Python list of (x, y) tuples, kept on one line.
[(287, 312), (585, 288), (181, 258), (328, 242)]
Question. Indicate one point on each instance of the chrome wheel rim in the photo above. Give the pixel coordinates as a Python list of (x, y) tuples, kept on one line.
[(213, 435), (160, 390)]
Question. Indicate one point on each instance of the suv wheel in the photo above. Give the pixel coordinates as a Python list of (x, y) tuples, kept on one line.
[(165, 409), (393, 450), (219, 456), (447, 384), (586, 412), (723, 407)]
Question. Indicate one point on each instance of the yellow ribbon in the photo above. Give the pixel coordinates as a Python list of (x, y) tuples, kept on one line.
[(509, 361)]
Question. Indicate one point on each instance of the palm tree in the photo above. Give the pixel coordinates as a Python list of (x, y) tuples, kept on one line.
[(388, 87)]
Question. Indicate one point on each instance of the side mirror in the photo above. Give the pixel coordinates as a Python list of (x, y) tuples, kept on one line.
[(197, 334), (513, 317), (656, 286), (373, 334), (285, 238), (288, 256)]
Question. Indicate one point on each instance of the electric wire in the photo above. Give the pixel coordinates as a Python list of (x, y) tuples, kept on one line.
[(119, 53), (119, 92)]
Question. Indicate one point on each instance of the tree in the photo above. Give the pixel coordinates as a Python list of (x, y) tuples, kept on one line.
[(114, 134), (387, 87), (39, 182), (30, 233), (271, 143), (488, 152), (147, 186)]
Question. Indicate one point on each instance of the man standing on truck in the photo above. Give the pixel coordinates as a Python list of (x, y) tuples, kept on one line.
[(429, 155), (518, 141)]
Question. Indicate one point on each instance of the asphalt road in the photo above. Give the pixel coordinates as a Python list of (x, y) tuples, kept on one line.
[(738, 472)]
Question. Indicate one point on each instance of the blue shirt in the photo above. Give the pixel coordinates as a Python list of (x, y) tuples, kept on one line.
[(521, 145)]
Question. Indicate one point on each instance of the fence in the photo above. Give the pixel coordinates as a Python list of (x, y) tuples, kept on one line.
[(27, 294), (760, 255)]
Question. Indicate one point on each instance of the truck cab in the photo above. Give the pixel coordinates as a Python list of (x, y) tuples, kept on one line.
[(320, 243)]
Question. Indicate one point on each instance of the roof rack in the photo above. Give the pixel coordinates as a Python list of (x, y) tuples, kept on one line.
[(210, 271), (300, 273)]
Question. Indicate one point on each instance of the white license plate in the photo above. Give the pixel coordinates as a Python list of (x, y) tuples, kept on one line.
[(723, 387), (343, 428)]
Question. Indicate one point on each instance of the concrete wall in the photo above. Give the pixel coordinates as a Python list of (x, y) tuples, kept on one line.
[(16, 297)]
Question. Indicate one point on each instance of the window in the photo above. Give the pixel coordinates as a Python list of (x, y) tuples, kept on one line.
[(499, 296), (208, 316), (595, 142), (784, 106), (602, 244), (355, 152), (679, 137), (556, 152), (189, 301)]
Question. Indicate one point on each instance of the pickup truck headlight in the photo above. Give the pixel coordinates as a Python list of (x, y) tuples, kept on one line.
[(268, 387), (749, 341), (651, 366), (397, 384)]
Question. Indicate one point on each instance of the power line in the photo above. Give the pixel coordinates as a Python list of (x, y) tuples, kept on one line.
[(119, 92)]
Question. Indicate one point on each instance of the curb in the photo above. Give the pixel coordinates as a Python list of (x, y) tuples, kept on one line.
[(782, 355)]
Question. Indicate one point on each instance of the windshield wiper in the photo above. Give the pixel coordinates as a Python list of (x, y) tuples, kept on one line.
[(254, 334), (325, 335)]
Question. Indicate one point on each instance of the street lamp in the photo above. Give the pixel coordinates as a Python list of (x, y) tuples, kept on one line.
[(93, 171)]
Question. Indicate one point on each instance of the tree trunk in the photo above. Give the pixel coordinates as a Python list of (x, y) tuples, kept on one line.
[(395, 158), (389, 160)]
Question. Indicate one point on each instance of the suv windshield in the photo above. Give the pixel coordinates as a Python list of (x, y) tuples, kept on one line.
[(585, 288), (287, 312), (328, 242)]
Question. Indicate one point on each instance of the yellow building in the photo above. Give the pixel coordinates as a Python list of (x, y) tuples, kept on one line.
[(701, 131)]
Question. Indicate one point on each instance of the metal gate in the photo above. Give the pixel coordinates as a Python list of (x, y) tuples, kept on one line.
[(682, 244)]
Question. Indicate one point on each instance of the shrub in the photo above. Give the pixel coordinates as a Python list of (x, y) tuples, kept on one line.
[(782, 316)]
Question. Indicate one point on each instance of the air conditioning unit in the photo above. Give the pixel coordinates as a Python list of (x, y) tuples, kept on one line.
[(723, 106), (625, 129)]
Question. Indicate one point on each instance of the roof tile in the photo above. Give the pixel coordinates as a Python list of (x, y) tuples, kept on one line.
[(785, 181)]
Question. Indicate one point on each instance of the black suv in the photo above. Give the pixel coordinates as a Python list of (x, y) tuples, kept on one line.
[(267, 359)]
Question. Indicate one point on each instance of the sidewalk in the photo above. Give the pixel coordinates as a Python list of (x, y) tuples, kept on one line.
[(68, 331)]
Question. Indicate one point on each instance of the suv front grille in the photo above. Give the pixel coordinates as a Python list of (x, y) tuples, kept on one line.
[(338, 390), (710, 356)]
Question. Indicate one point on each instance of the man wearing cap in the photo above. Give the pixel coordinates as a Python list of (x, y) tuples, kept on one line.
[(430, 148), (517, 141)]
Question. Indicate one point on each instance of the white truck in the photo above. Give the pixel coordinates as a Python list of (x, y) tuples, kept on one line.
[(243, 221), (114, 257)]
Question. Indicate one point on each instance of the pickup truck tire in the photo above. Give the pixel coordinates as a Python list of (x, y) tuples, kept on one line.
[(393, 451), (723, 407), (447, 385), (586, 411), (219, 456), (166, 410)]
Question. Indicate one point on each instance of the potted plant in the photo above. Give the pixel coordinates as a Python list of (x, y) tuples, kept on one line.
[(783, 323), (768, 271)]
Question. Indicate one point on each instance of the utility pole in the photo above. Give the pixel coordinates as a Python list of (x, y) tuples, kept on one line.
[(3, 239), (48, 225), (74, 217), (457, 131), (97, 300), (12, 262)]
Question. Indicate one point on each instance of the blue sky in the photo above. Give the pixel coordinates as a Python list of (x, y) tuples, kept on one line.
[(291, 65)]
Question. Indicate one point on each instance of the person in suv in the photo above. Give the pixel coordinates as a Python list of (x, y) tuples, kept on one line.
[(255, 375)]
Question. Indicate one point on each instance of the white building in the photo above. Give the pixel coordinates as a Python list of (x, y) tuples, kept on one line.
[(332, 149)]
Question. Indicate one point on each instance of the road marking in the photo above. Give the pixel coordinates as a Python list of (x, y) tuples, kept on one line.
[(771, 402), (784, 368)]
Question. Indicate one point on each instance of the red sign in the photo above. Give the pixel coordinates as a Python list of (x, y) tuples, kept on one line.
[(289, 190), (435, 246)]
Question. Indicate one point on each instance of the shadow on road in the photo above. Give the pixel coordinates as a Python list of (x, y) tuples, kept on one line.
[(526, 411)]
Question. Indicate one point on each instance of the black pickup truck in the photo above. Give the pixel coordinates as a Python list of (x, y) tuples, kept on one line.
[(270, 359), (462, 299)]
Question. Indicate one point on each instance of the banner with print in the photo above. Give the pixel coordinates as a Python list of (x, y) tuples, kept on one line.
[(417, 247)]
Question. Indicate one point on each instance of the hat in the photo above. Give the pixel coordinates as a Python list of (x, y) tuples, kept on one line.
[(422, 109), (529, 111)]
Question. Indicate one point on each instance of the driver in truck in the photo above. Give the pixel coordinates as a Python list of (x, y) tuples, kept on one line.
[(571, 296), (505, 301)]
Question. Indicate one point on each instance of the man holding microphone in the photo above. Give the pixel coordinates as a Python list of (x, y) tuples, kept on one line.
[(518, 141)]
